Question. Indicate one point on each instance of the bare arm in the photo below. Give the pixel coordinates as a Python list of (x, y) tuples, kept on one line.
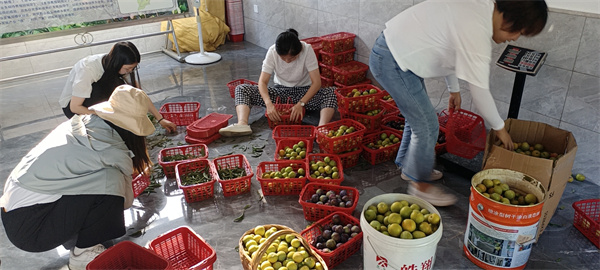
[(263, 83), (166, 124), (77, 107), (315, 78)]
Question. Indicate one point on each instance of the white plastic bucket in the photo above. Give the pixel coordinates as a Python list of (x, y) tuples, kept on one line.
[(385, 252)]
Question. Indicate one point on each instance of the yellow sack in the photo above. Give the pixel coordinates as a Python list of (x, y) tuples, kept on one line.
[(214, 32)]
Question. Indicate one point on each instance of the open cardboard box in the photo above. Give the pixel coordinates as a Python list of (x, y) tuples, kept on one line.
[(553, 175)]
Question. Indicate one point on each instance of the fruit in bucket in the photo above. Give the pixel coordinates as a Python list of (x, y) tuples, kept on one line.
[(402, 220), (502, 192)]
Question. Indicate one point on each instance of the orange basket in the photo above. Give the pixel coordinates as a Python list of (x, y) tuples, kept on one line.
[(321, 157), (208, 125), (326, 71), (289, 186), (238, 185), (361, 103), (194, 151), (335, 145), (372, 123), (393, 123), (197, 192), (465, 134), (139, 183), (294, 132), (390, 108), (233, 84), (587, 218), (344, 251), (184, 249), (338, 42), (350, 73), (283, 143), (334, 59), (180, 113), (128, 255), (350, 159), (313, 211), (284, 110), (376, 156)]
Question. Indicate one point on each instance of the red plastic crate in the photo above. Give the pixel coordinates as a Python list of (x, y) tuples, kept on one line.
[(208, 125), (294, 132), (325, 82), (208, 140), (312, 40), (284, 110), (336, 145), (350, 159), (321, 157), (338, 42), (376, 156), (341, 253), (326, 71), (440, 148), (234, 186), (367, 81), (198, 192), (290, 186), (334, 59), (314, 212), (465, 134), (385, 93), (233, 84), (317, 49), (360, 103), (350, 73), (389, 119), (587, 219), (372, 123), (169, 166), (128, 255), (390, 107), (180, 113), (184, 249), (236, 38), (139, 183), (283, 143)]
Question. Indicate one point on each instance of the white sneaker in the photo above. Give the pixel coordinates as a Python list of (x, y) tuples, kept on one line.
[(235, 130), (435, 175), (84, 256), (435, 195)]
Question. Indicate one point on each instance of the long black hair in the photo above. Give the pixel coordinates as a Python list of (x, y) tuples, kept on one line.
[(287, 43), (122, 53), (137, 145), (526, 16)]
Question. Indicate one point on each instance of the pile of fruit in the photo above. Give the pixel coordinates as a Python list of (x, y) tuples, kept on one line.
[(335, 235), (372, 112), (357, 93), (325, 169), (384, 141), (297, 151), (387, 97), (341, 131), (501, 192), (322, 197), (402, 220), (537, 150), (285, 252), (285, 173)]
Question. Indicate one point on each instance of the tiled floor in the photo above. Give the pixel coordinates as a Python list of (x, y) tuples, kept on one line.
[(29, 110)]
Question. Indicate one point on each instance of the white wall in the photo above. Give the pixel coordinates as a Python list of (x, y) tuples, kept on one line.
[(588, 6)]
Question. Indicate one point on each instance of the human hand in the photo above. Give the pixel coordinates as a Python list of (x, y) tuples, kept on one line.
[(168, 125), (454, 101), (297, 113), (505, 139), (272, 113)]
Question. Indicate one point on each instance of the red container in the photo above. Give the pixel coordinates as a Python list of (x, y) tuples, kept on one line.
[(208, 140), (283, 143), (587, 219), (321, 157), (440, 148), (389, 119), (336, 145), (290, 186), (314, 212), (341, 253), (238, 185), (128, 255), (208, 125), (313, 40), (233, 84), (465, 134), (184, 249), (338, 42), (361, 103), (139, 183), (236, 38), (284, 110), (367, 81), (350, 73), (390, 107), (194, 151), (198, 192), (376, 156), (180, 113), (325, 82), (294, 132), (326, 71), (334, 59), (372, 123), (387, 95), (316, 44), (350, 159)]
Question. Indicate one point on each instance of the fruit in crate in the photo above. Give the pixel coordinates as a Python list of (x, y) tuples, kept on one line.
[(335, 234), (324, 169), (402, 219), (372, 112), (398, 124), (341, 131), (323, 197), (502, 192), (297, 151), (357, 93), (284, 173), (387, 97), (384, 141)]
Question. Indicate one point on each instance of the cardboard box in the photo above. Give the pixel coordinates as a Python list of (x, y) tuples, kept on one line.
[(552, 174)]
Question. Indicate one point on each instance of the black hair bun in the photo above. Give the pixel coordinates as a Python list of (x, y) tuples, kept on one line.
[(293, 31)]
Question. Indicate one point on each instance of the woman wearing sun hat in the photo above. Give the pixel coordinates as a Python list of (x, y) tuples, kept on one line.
[(76, 182)]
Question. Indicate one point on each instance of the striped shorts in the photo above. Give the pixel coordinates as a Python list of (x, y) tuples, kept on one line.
[(248, 94)]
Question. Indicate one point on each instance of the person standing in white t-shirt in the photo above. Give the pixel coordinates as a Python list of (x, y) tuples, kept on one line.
[(295, 70), (451, 39)]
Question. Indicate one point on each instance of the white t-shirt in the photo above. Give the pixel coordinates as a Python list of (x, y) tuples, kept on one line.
[(294, 73), (85, 72), (445, 38)]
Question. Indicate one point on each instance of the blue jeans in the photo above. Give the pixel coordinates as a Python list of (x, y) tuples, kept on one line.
[(417, 150)]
